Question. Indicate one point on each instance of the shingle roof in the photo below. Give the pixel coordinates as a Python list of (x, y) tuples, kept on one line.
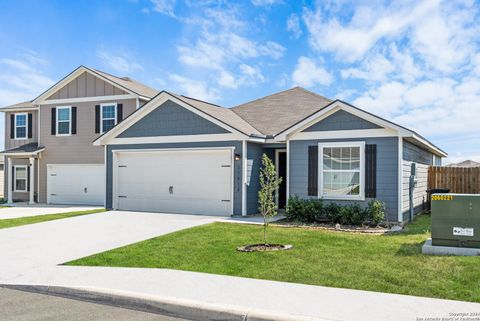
[(25, 104), (27, 148), (225, 115), (130, 84), (273, 114)]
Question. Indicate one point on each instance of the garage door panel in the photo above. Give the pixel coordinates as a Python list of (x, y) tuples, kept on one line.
[(76, 184), (194, 181)]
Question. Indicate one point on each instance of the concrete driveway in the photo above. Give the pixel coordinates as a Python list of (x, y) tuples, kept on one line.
[(23, 210), (24, 250)]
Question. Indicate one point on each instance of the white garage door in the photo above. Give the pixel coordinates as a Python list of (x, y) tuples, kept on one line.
[(76, 184), (174, 181)]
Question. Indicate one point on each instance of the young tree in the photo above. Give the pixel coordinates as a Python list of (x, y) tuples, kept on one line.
[(269, 183)]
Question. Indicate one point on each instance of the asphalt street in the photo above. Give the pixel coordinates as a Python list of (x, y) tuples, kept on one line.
[(24, 306)]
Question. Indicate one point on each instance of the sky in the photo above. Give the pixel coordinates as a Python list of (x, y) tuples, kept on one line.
[(416, 63)]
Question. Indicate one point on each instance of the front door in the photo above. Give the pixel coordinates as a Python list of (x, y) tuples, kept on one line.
[(282, 172)]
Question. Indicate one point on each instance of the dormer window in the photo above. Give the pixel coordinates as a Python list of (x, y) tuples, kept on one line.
[(21, 128)]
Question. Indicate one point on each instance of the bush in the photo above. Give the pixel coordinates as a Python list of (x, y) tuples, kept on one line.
[(352, 214), (376, 211), (304, 210), (332, 212)]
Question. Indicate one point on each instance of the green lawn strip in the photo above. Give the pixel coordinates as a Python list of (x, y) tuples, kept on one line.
[(12, 222), (386, 263)]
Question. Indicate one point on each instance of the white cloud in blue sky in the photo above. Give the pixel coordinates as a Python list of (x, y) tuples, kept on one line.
[(414, 62)]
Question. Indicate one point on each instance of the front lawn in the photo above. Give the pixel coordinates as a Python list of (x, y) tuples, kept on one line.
[(388, 263), (12, 222)]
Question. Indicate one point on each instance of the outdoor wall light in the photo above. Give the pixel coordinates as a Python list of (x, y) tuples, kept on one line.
[(237, 157)]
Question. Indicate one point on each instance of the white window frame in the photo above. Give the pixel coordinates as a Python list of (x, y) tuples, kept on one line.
[(69, 122), (101, 115), (361, 195), (15, 178), (15, 126)]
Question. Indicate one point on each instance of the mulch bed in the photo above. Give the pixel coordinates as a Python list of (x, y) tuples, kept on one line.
[(264, 247), (336, 227)]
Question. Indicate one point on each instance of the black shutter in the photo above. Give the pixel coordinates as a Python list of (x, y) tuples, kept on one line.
[(74, 120), (312, 170), (54, 121), (97, 119), (28, 178), (30, 125), (370, 171), (12, 126), (119, 113)]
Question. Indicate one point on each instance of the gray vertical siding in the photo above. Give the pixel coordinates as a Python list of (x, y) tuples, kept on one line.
[(237, 185), (171, 119), (254, 156), (341, 120), (387, 170)]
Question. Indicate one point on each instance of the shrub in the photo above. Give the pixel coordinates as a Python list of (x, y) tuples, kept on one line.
[(352, 214), (304, 210), (376, 211), (332, 212)]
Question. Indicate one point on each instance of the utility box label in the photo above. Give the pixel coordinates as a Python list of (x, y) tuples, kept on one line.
[(467, 231)]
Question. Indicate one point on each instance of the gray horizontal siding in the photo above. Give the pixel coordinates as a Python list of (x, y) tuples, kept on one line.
[(237, 192), (171, 119), (413, 153), (341, 120), (420, 191), (387, 170)]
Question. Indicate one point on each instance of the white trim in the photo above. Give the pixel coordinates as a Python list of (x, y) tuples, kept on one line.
[(15, 126), (8, 168), (63, 121), (115, 107), (428, 145), (106, 174), (174, 139), (288, 168), (361, 145), (152, 105), (137, 103), (20, 109), (244, 178), (15, 178), (277, 169), (400, 179), (343, 134), (31, 168), (87, 99), (152, 150), (77, 72), (23, 154)]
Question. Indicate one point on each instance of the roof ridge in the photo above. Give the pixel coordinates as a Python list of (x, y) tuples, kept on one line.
[(313, 93), (202, 101), (260, 98)]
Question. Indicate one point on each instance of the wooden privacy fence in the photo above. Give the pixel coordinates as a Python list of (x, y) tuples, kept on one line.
[(463, 180)]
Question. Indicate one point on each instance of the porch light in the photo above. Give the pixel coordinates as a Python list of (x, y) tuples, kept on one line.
[(237, 157)]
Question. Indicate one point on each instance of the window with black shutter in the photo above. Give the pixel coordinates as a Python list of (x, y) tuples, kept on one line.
[(370, 170), (313, 170)]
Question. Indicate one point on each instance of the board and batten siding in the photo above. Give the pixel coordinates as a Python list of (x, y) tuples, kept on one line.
[(73, 149), (254, 164), (237, 169), (387, 170), (423, 159), (86, 85), (13, 143), (169, 119)]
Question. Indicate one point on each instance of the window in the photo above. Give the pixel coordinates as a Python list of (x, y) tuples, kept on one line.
[(108, 117), (21, 126), (64, 121), (341, 170), (20, 178)]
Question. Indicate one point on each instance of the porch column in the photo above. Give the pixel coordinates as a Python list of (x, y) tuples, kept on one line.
[(32, 179), (9, 171)]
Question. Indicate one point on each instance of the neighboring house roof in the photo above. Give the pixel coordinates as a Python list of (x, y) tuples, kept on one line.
[(31, 148), (225, 115), (467, 163), (273, 114)]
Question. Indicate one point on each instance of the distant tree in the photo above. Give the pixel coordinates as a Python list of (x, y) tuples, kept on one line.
[(269, 183)]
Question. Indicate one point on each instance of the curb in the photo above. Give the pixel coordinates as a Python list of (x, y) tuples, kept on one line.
[(188, 309)]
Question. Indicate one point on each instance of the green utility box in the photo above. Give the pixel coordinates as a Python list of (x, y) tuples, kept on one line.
[(456, 220)]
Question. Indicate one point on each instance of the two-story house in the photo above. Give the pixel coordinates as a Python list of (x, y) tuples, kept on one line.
[(49, 155)]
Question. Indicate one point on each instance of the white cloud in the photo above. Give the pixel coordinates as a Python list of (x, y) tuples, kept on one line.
[(195, 88), (293, 25), (166, 7), (308, 74), (119, 62), (265, 2)]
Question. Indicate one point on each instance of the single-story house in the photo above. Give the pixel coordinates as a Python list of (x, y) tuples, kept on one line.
[(182, 155)]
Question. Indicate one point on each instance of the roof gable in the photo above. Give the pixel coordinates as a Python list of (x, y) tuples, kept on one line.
[(171, 119), (341, 120)]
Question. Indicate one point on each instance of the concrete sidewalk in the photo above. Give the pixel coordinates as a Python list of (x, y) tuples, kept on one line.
[(17, 210), (289, 298)]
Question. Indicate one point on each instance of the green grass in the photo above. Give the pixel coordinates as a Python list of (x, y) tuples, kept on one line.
[(12, 222), (385, 263)]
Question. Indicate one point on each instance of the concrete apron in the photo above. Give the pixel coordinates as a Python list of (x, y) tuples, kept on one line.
[(175, 307)]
